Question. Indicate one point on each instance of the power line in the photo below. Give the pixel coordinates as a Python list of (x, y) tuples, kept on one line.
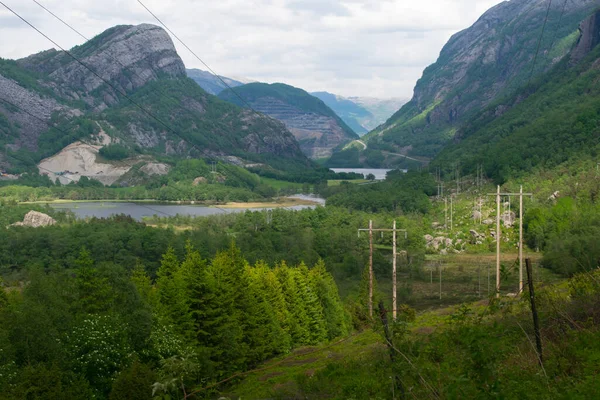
[(540, 42), (122, 93), (199, 59), (163, 93), (86, 144)]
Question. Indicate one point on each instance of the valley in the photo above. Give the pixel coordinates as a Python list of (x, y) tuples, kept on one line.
[(170, 233)]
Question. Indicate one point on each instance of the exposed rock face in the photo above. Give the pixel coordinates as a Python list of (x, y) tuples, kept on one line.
[(478, 64), (155, 169), (33, 103), (36, 219), (79, 159), (317, 134), (126, 56), (53, 88), (314, 125), (589, 38)]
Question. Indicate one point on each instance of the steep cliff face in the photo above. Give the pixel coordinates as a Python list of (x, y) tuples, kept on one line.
[(492, 58), (58, 102), (126, 56), (316, 127), (589, 37)]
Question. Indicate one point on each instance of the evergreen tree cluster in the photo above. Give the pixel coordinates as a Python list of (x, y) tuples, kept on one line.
[(96, 331)]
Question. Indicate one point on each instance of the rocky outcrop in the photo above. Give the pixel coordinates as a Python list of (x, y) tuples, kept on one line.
[(127, 56), (481, 63), (29, 103), (314, 125), (589, 37), (36, 219)]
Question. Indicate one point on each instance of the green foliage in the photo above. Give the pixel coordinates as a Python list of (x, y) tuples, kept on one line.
[(115, 151), (133, 383), (400, 192)]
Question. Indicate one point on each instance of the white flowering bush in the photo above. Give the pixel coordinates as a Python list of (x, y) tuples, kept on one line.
[(99, 347)]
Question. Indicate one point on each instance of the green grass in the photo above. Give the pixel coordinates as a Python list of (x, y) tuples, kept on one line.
[(278, 184), (278, 377), (338, 182)]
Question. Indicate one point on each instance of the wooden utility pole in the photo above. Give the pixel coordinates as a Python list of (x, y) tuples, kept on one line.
[(536, 322), (394, 230), (498, 194), (371, 268), (446, 214), (451, 215), (394, 254), (498, 242)]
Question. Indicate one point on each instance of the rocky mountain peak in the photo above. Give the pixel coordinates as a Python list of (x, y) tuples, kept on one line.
[(128, 56)]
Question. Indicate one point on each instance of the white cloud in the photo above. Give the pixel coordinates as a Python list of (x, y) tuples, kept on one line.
[(348, 47)]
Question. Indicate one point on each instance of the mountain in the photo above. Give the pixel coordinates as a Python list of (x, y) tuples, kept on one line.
[(489, 60), (380, 109), (148, 105), (318, 129), (350, 112), (211, 83), (362, 114), (553, 120)]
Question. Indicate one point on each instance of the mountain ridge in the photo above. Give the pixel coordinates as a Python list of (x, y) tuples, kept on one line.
[(318, 129)]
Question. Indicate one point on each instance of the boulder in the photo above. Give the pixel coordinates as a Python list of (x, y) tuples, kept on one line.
[(36, 219), (476, 215), (428, 238), (508, 218), (199, 180), (487, 222)]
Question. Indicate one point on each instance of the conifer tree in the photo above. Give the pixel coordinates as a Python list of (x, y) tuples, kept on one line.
[(223, 322), (94, 291), (336, 319), (143, 284), (171, 294), (299, 320), (314, 310), (262, 331)]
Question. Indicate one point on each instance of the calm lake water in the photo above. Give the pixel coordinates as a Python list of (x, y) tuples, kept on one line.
[(140, 210), (379, 173)]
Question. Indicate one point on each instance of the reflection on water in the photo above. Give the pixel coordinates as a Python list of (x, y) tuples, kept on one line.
[(378, 172), (140, 210)]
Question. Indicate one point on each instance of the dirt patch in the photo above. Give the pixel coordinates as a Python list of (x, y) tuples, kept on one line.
[(269, 375), (296, 362)]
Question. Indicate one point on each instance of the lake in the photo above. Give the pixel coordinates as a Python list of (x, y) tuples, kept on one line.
[(378, 172), (138, 211)]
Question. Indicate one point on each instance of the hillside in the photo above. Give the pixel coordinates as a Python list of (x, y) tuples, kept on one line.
[(209, 82), (148, 105), (491, 59), (316, 127), (551, 121)]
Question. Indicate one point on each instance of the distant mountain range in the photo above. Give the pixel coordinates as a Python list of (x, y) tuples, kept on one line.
[(318, 129), (143, 100), (211, 83), (362, 114)]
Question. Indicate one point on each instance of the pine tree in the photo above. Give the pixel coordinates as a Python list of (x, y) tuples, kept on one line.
[(262, 331), (275, 297), (143, 284), (299, 320), (314, 310), (223, 322), (336, 319), (94, 291), (171, 294)]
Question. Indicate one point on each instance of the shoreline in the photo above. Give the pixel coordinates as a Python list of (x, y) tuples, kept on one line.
[(281, 202)]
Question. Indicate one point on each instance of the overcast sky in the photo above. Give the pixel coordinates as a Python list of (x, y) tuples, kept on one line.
[(375, 48)]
